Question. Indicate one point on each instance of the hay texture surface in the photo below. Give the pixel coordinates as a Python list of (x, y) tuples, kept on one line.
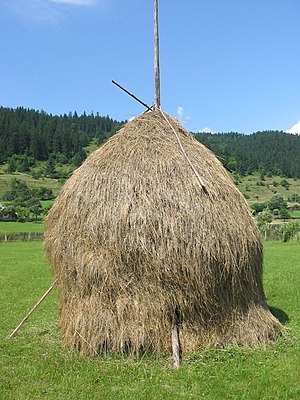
[(134, 240)]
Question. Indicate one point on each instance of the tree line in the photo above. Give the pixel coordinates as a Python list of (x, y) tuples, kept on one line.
[(37, 135), (27, 136), (269, 152)]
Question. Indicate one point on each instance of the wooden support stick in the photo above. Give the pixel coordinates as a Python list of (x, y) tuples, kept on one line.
[(176, 346), (33, 309), (156, 57), (132, 95)]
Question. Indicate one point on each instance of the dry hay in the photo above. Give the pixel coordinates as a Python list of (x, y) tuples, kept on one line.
[(134, 240)]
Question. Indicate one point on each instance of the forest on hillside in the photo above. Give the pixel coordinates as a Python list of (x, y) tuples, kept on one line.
[(269, 152), (39, 135), (28, 135)]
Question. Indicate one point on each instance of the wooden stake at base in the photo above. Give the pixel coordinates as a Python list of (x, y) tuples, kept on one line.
[(176, 346)]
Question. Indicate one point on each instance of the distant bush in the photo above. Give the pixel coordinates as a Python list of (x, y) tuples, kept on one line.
[(284, 232), (258, 207), (284, 214), (20, 163), (26, 201), (277, 201), (296, 237), (294, 198), (290, 231), (37, 174), (285, 184)]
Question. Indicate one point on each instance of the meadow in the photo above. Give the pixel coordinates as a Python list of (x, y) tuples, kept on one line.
[(35, 365), (257, 191), (5, 182), (18, 227), (254, 189), (296, 214)]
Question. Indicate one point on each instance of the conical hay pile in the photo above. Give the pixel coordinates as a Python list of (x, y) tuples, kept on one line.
[(134, 240)]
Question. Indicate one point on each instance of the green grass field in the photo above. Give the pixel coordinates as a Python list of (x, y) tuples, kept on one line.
[(296, 214), (35, 365), (5, 181), (259, 194), (247, 185), (18, 227)]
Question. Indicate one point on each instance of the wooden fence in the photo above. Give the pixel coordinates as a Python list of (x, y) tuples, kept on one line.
[(20, 236)]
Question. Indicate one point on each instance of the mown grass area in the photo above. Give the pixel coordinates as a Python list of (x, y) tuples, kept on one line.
[(18, 227), (35, 365), (249, 185), (295, 214), (47, 203), (258, 191), (5, 182)]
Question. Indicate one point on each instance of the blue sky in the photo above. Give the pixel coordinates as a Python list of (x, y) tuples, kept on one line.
[(226, 65)]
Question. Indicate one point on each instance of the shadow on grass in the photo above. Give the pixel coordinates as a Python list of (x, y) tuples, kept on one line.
[(280, 315)]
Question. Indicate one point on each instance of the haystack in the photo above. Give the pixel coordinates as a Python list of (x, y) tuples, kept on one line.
[(136, 242)]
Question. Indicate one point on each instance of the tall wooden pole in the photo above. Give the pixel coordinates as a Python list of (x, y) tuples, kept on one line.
[(156, 57)]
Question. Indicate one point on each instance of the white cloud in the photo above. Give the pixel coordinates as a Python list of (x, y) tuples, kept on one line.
[(180, 111), (44, 11), (75, 2), (181, 115), (295, 129), (206, 129), (33, 10)]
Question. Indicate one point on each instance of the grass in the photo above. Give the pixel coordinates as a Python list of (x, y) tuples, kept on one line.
[(34, 364), (259, 194), (18, 227), (295, 214), (47, 203), (5, 181), (247, 185)]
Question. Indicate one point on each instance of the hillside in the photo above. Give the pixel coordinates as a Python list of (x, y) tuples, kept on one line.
[(42, 150), (256, 190), (38, 136), (28, 137), (269, 152), (253, 188)]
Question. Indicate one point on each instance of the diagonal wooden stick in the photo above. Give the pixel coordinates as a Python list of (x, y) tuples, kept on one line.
[(33, 309), (132, 95)]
